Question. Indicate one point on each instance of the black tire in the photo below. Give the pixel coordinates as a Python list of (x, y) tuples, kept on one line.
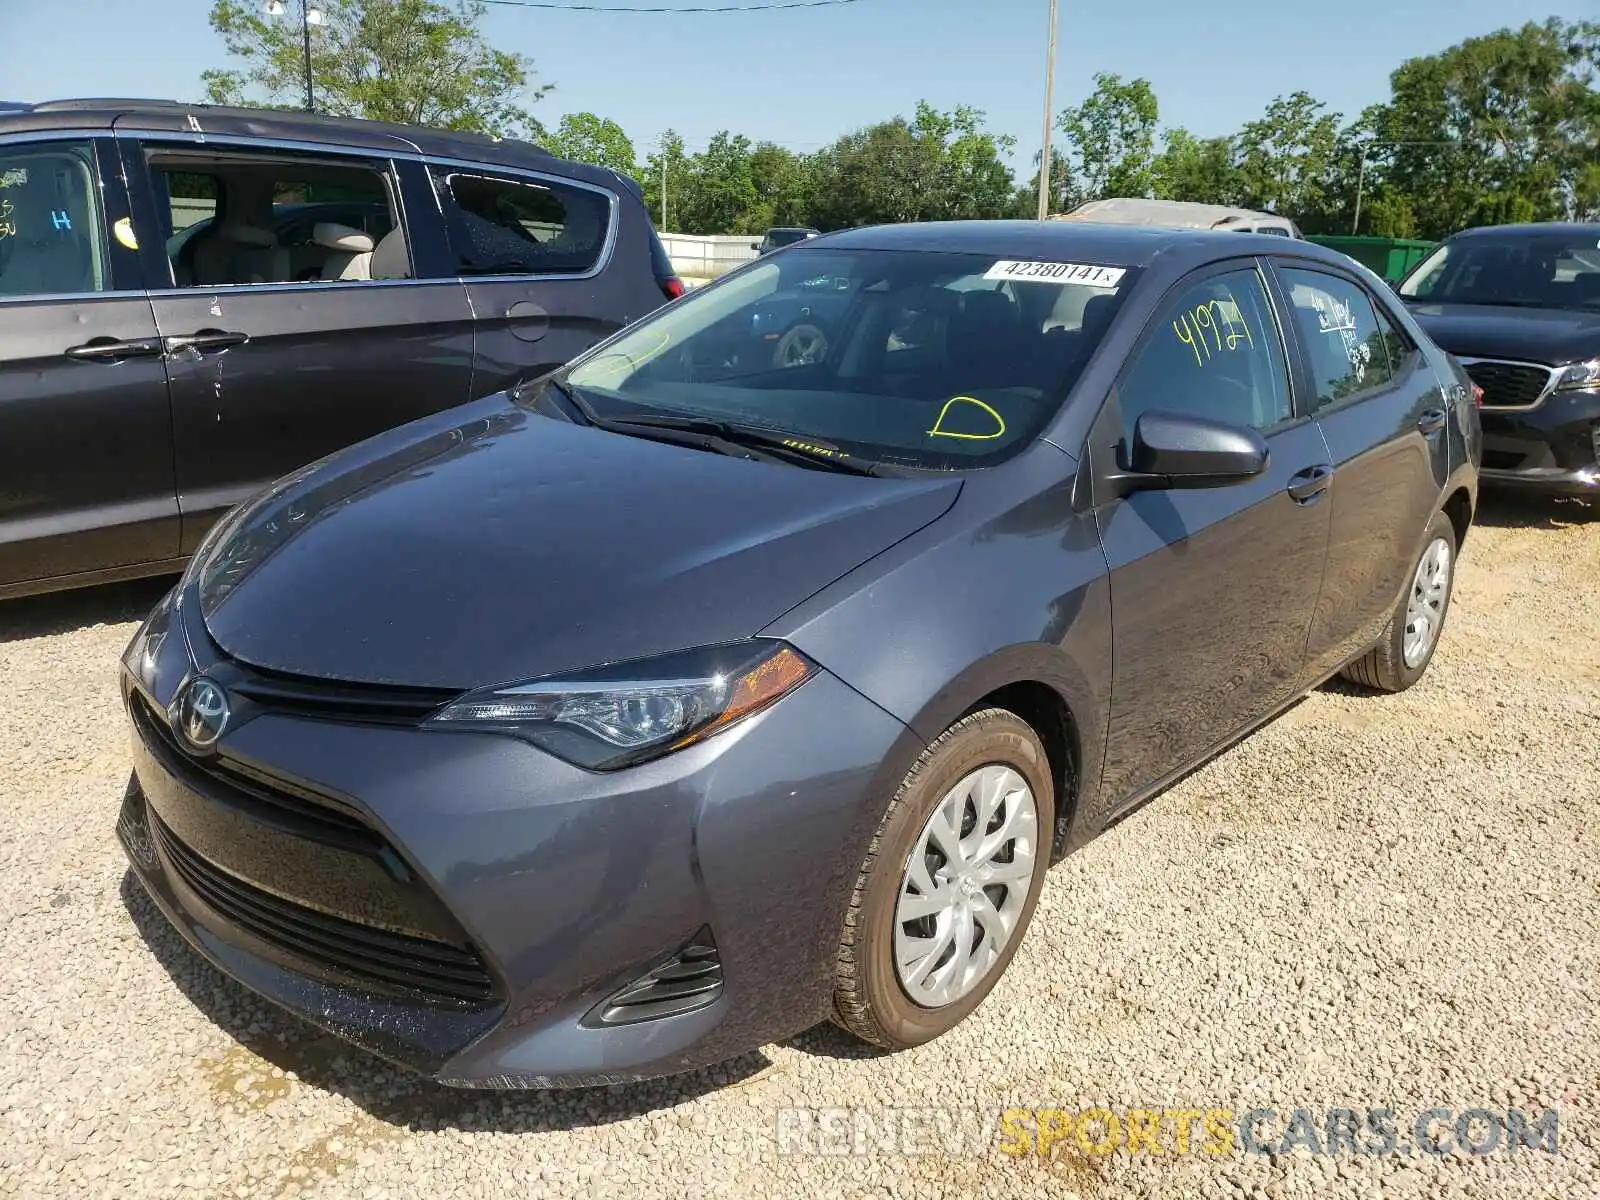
[(869, 999), (1384, 667)]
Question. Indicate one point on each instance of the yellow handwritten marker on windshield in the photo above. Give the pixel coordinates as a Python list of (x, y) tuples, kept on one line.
[(939, 430), (123, 230)]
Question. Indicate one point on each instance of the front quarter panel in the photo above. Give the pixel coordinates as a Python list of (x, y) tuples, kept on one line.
[(1010, 586)]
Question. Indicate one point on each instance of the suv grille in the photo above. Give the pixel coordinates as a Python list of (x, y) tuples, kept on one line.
[(377, 958), (1507, 384)]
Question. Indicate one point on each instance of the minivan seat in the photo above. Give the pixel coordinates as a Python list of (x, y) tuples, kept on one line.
[(239, 254), (349, 250), (390, 259)]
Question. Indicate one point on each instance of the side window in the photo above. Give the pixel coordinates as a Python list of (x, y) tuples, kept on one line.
[(239, 219), (502, 226), (52, 232), (1397, 344), (1339, 327), (1214, 352)]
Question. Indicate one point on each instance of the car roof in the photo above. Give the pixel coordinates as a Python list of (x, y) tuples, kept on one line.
[(1070, 241), (289, 125), (1559, 228)]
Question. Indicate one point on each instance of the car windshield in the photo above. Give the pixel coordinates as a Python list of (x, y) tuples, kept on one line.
[(1536, 271), (924, 360), (786, 237)]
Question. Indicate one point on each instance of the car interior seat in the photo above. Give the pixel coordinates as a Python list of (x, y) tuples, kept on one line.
[(987, 345), (390, 258), (239, 253), (349, 251)]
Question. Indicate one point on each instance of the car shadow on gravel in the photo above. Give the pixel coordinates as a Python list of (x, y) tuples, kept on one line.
[(64, 612), (1513, 510), (391, 1094)]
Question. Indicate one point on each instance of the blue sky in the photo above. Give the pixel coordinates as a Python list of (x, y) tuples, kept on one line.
[(803, 77)]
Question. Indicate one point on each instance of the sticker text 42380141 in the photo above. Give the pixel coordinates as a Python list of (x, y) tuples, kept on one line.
[(1083, 274)]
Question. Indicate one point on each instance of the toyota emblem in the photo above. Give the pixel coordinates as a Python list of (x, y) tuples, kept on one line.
[(201, 714)]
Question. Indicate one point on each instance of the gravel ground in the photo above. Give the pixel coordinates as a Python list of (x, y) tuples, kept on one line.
[(1372, 902)]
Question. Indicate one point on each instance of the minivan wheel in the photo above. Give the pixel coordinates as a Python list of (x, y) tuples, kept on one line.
[(949, 883), (1403, 653)]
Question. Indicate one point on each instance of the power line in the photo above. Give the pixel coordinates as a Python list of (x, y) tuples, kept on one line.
[(722, 8)]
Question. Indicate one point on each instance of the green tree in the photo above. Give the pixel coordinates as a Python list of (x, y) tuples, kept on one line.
[(1200, 170), (719, 187), (1286, 159), (939, 166), (584, 137), (1063, 188), (419, 62), (1111, 138), (1519, 117), (665, 168), (783, 188)]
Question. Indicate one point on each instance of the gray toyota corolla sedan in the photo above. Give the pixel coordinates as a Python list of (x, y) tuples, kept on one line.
[(703, 689)]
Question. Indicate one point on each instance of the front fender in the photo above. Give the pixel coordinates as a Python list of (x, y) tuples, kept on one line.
[(1010, 586)]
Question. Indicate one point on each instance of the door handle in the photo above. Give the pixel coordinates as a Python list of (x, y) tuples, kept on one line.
[(1433, 420), (204, 340), (1308, 485), (110, 350)]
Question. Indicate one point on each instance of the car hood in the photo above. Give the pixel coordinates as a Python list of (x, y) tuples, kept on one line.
[(1544, 335), (491, 544)]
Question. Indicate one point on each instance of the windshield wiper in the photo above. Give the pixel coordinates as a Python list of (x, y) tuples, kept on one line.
[(738, 441)]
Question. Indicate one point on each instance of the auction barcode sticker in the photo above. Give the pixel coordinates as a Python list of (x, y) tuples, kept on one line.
[(1054, 272)]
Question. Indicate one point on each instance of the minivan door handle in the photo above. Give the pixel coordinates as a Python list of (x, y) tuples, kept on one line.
[(110, 350), (1309, 485), (1433, 420), (206, 339)]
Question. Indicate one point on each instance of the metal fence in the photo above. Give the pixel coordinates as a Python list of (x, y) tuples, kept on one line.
[(707, 257)]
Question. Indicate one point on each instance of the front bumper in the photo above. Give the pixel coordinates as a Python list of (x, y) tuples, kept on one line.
[(564, 885), (1554, 447)]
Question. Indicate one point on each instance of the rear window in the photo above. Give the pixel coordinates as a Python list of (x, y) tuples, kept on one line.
[(929, 360), (515, 226)]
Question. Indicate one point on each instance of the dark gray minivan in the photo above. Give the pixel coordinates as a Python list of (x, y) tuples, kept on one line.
[(195, 301)]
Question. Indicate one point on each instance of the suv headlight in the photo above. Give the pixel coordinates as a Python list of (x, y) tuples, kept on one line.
[(1579, 376), (623, 714)]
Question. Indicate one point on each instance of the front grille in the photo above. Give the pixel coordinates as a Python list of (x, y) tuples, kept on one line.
[(388, 962), (691, 979), (249, 787), (333, 700), (1509, 384)]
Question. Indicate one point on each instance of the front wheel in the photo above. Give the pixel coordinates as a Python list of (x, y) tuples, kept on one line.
[(949, 883), (1403, 653)]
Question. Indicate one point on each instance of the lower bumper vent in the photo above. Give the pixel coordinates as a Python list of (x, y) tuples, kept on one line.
[(691, 979)]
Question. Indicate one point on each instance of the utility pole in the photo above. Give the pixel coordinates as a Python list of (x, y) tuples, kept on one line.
[(1049, 115), (663, 184), (310, 15)]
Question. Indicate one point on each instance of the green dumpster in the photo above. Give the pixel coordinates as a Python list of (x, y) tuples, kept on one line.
[(1389, 258)]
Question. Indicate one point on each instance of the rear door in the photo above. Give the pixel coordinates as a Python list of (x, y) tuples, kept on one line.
[(1212, 589), (282, 350), (86, 470), (532, 250), (1384, 416)]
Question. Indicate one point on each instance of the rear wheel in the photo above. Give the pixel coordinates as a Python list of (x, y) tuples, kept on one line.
[(949, 883), (1402, 655)]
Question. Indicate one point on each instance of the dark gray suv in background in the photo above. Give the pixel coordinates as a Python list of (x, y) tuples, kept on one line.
[(675, 702), (195, 301)]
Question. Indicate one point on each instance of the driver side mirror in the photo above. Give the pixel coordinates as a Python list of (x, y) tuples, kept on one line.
[(1175, 450)]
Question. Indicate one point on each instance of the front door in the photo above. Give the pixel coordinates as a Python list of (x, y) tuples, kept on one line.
[(86, 473), (1383, 415), (530, 249), (290, 333), (1212, 589)]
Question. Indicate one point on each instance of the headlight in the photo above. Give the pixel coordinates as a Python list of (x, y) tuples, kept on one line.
[(143, 655), (1579, 375), (623, 714)]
